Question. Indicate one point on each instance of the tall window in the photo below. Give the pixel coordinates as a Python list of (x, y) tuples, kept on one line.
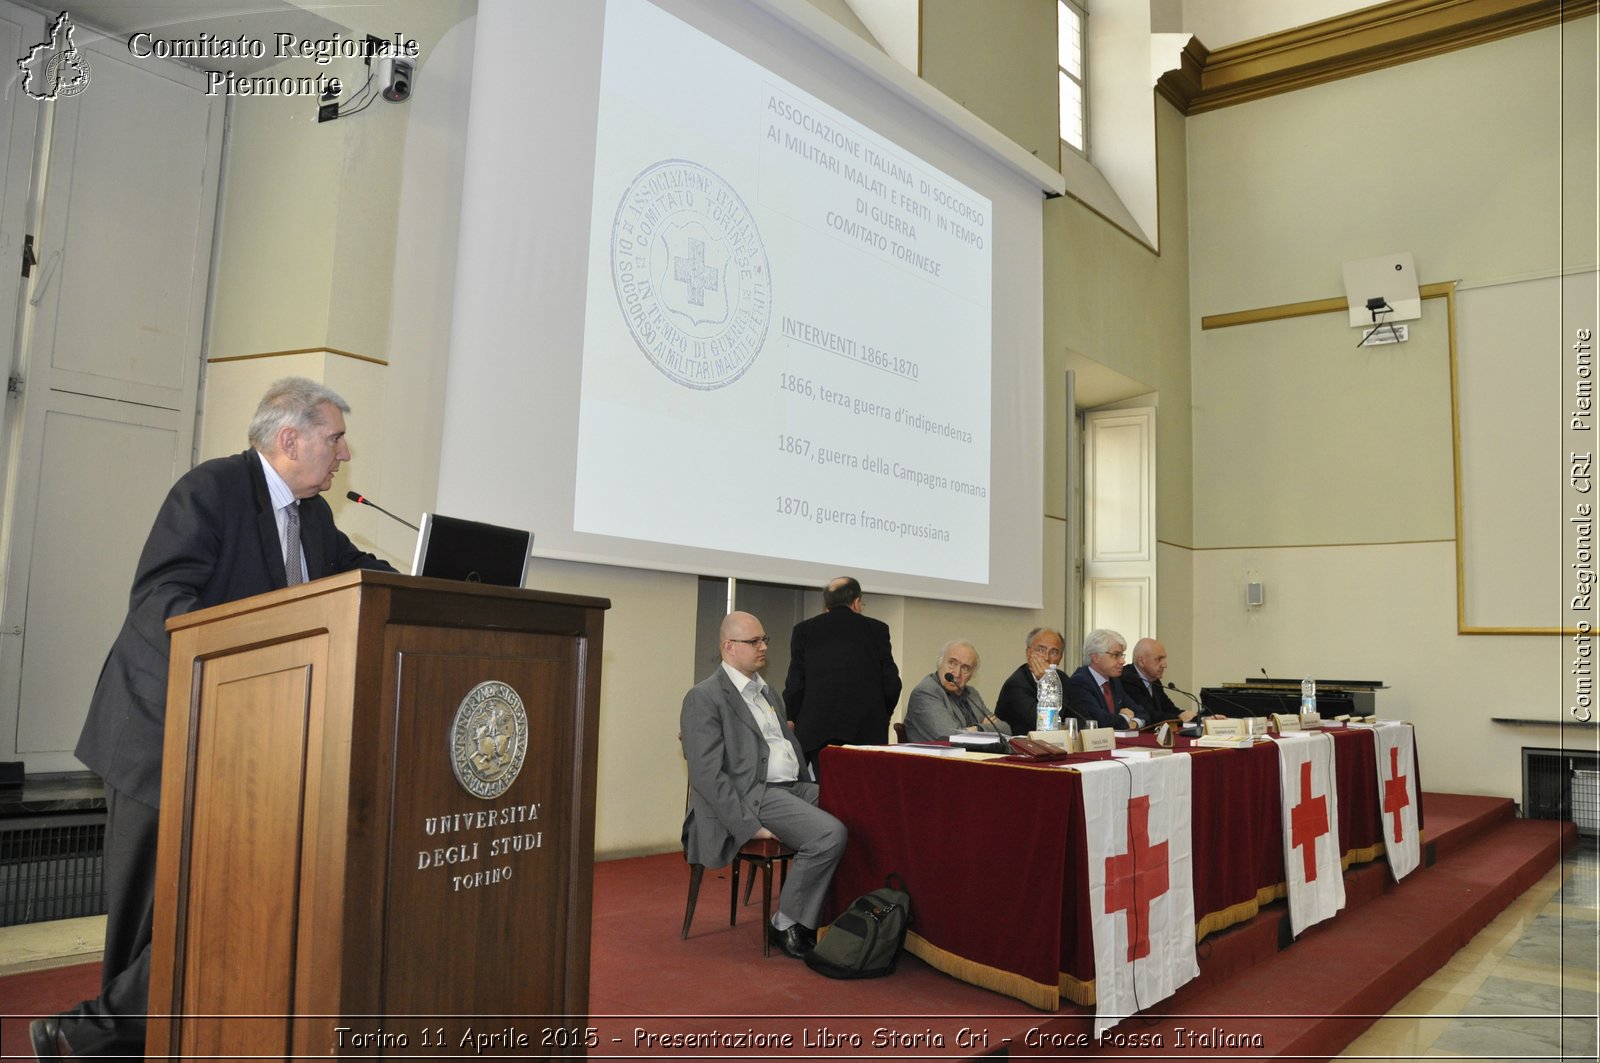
[(1069, 61)]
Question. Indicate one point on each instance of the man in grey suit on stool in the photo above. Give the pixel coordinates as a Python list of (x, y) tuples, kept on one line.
[(748, 779)]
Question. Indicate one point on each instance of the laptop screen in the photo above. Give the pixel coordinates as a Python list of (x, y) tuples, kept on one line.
[(452, 548)]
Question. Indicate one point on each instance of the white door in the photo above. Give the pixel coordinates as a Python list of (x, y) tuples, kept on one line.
[(18, 123), (110, 353), (1119, 563)]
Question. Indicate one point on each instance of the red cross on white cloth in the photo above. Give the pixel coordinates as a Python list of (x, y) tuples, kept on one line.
[(1397, 796), (1311, 865), (1141, 882)]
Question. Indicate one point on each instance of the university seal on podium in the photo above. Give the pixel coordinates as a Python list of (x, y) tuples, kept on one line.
[(691, 274), (488, 739)]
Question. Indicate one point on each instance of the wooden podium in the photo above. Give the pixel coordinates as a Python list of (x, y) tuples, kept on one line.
[(377, 823)]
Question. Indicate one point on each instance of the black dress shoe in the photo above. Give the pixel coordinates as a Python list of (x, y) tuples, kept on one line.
[(792, 941), (48, 1042)]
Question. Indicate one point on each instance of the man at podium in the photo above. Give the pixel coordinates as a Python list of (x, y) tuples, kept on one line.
[(748, 779), (229, 528)]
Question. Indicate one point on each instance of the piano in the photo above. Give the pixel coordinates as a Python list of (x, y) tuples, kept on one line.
[(1264, 696)]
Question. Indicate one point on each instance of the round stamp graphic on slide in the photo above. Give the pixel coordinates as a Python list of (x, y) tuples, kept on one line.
[(691, 274)]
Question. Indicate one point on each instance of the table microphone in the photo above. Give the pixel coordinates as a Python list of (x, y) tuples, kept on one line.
[(357, 496), (1197, 702), (950, 677)]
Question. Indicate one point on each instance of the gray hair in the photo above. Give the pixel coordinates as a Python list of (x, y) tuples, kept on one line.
[(293, 402), (952, 644), (1100, 640), (1027, 643)]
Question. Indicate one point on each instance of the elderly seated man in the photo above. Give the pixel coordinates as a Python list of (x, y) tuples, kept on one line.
[(944, 703), (1141, 678)]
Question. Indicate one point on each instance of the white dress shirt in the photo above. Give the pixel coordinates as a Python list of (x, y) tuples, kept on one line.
[(782, 765)]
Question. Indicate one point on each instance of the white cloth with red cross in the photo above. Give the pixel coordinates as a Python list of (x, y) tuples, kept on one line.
[(1311, 857), (1141, 882)]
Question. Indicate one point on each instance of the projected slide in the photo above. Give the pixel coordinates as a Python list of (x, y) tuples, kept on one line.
[(787, 335)]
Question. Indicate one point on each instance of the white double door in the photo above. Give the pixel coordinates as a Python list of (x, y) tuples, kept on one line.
[(102, 347)]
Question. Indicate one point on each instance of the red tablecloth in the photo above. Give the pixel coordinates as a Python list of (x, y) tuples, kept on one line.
[(1001, 906)]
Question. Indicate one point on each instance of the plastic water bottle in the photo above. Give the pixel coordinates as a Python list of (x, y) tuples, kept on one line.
[(1308, 696), (1048, 716)]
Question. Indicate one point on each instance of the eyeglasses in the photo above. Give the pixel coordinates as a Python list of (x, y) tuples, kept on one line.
[(759, 640), (1047, 651), (953, 665), (1119, 653)]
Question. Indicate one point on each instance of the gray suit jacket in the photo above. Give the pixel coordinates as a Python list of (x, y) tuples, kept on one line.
[(727, 757)]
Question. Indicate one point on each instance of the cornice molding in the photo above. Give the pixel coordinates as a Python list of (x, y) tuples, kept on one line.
[(336, 352), (1355, 43)]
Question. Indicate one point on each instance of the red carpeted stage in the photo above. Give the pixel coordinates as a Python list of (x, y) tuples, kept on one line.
[(654, 995)]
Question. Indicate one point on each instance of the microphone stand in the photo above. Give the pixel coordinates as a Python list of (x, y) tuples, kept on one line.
[(967, 711), (358, 497)]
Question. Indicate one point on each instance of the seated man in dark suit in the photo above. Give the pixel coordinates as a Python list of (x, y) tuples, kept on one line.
[(230, 528), (1094, 692), (748, 779), (1018, 703), (1141, 678)]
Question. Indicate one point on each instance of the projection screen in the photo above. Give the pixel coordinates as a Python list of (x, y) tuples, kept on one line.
[(729, 303)]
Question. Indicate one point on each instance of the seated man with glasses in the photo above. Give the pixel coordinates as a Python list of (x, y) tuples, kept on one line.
[(748, 779), (1094, 692), (1018, 703), (944, 704)]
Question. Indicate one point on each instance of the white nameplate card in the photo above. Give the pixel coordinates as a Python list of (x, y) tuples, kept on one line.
[(1098, 739), (1067, 740)]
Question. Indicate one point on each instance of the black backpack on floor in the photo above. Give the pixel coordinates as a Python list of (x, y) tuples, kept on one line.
[(865, 941)]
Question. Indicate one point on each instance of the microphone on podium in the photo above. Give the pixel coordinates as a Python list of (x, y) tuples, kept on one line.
[(357, 496)]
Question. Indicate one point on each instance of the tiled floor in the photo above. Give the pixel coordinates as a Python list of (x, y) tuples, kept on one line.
[(1525, 988)]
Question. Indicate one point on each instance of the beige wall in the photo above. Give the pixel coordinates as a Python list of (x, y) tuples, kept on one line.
[(320, 228), (1326, 471), (999, 63)]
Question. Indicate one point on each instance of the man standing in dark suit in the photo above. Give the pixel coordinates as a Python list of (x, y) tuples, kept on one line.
[(1141, 678), (843, 684), (747, 779), (1095, 692), (229, 528)]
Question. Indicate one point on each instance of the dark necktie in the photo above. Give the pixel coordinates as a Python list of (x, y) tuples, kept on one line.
[(1111, 704), (291, 539)]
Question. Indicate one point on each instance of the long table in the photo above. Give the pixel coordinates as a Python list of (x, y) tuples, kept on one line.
[(1002, 906)]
